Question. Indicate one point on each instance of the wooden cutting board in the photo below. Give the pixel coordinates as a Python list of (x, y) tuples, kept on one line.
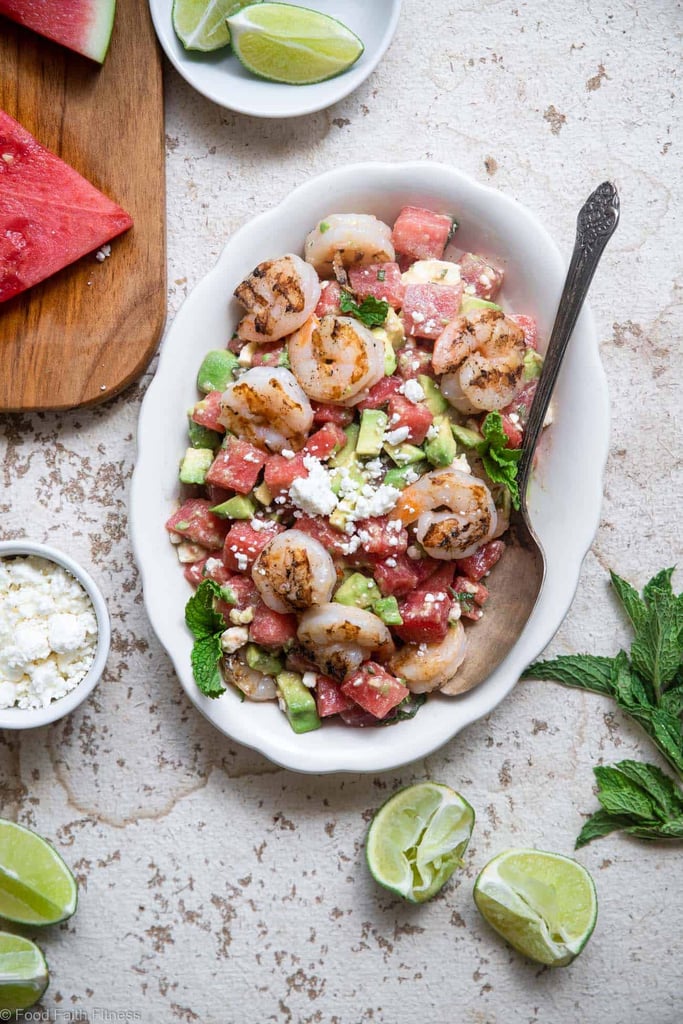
[(88, 331)]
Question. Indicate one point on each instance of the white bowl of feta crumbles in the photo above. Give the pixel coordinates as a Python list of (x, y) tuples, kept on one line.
[(54, 634)]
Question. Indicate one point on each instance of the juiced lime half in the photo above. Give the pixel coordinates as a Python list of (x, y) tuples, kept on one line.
[(200, 24), (23, 972), (292, 44), (417, 839), (544, 904), (36, 886)]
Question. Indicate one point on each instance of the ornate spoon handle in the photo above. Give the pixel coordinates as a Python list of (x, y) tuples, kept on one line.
[(595, 225)]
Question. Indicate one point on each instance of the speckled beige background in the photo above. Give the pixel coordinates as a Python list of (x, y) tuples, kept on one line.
[(218, 888)]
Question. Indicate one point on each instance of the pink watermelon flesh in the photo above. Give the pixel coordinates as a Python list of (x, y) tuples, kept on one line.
[(83, 25), (49, 215)]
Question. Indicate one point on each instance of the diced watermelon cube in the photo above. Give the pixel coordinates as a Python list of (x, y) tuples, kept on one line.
[(194, 521), (479, 277), (217, 495), (236, 466), (209, 568), (319, 528), (482, 561), (513, 430), (428, 308), (271, 354), (329, 698), (379, 281), (381, 536), (271, 629), (323, 413), (280, 473), (521, 403), (421, 234), (243, 544), (414, 361), (374, 689), (380, 393), (244, 591), (397, 578), (530, 328), (476, 595), (415, 416), (194, 572), (425, 615), (329, 439), (207, 411), (357, 718), (330, 296)]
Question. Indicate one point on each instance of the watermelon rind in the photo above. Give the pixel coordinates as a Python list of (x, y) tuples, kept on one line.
[(97, 42), (84, 26)]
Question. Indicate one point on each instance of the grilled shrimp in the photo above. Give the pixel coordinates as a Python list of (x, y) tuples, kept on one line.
[(253, 684), (340, 637), (267, 407), (455, 512), (294, 572), (481, 357), (425, 667), (279, 296), (336, 359), (348, 240)]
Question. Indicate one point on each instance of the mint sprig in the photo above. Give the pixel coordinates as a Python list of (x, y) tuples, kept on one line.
[(206, 625), (499, 461), (646, 684), (372, 312)]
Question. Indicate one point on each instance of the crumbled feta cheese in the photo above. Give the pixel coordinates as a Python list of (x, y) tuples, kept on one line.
[(242, 561), (212, 565), (391, 562), (413, 390), (314, 494), (309, 679), (432, 272), (432, 432), (258, 524), (48, 632), (287, 453), (418, 318), (241, 618), (103, 252), (397, 436), (233, 638)]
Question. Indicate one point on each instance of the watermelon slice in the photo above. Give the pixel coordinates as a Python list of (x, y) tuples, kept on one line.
[(49, 215), (83, 25)]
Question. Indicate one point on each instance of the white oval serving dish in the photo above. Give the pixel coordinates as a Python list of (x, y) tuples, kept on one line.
[(565, 495)]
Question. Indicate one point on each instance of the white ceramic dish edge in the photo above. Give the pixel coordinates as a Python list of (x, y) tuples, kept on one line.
[(566, 540), (33, 718)]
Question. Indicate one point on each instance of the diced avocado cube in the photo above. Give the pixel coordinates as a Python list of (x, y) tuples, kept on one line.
[(387, 609), (262, 494), (358, 590), (339, 517), (195, 465), (238, 507), (262, 660), (346, 455), (216, 371), (441, 449), (401, 476), (533, 364), (299, 702), (467, 438), (390, 362), (404, 454), (393, 327), (471, 302), (434, 400), (202, 437), (373, 423)]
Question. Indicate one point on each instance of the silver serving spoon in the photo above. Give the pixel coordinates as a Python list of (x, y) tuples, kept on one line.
[(520, 573)]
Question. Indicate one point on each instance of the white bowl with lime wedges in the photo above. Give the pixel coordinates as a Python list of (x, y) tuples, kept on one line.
[(275, 59), (564, 497)]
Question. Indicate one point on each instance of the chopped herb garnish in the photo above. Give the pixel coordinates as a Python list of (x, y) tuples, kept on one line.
[(207, 626), (381, 275), (500, 462), (371, 312), (324, 226)]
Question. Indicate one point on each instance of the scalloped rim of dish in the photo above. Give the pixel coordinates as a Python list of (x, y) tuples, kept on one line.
[(349, 80), (372, 750), (33, 718)]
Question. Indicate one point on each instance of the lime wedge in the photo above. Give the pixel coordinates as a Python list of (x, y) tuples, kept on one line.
[(36, 886), (200, 24), (23, 973), (544, 904), (291, 44), (417, 838)]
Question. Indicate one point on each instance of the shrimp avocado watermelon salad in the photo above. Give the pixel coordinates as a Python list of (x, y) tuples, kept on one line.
[(350, 471)]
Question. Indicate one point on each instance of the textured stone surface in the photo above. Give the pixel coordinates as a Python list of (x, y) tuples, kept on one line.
[(216, 887)]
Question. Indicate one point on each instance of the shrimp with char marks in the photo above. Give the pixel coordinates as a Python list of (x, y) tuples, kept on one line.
[(267, 406), (294, 572), (253, 684), (481, 358), (431, 666), (279, 296), (340, 637), (454, 513), (336, 359), (348, 240)]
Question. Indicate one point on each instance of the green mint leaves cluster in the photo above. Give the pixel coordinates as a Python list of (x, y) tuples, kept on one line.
[(371, 312), (646, 684), (206, 626), (499, 461)]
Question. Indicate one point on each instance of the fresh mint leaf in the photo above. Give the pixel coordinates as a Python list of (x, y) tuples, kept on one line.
[(499, 461), (634, 606), (371, 312), (619, 794), (659, 786), (666, 830), (600, 824), (205, 659), (584, 671), (200, 616), (407, 709)]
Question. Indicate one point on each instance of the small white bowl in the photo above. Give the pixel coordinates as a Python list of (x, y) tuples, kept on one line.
[(31, 718), (220, 77)]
